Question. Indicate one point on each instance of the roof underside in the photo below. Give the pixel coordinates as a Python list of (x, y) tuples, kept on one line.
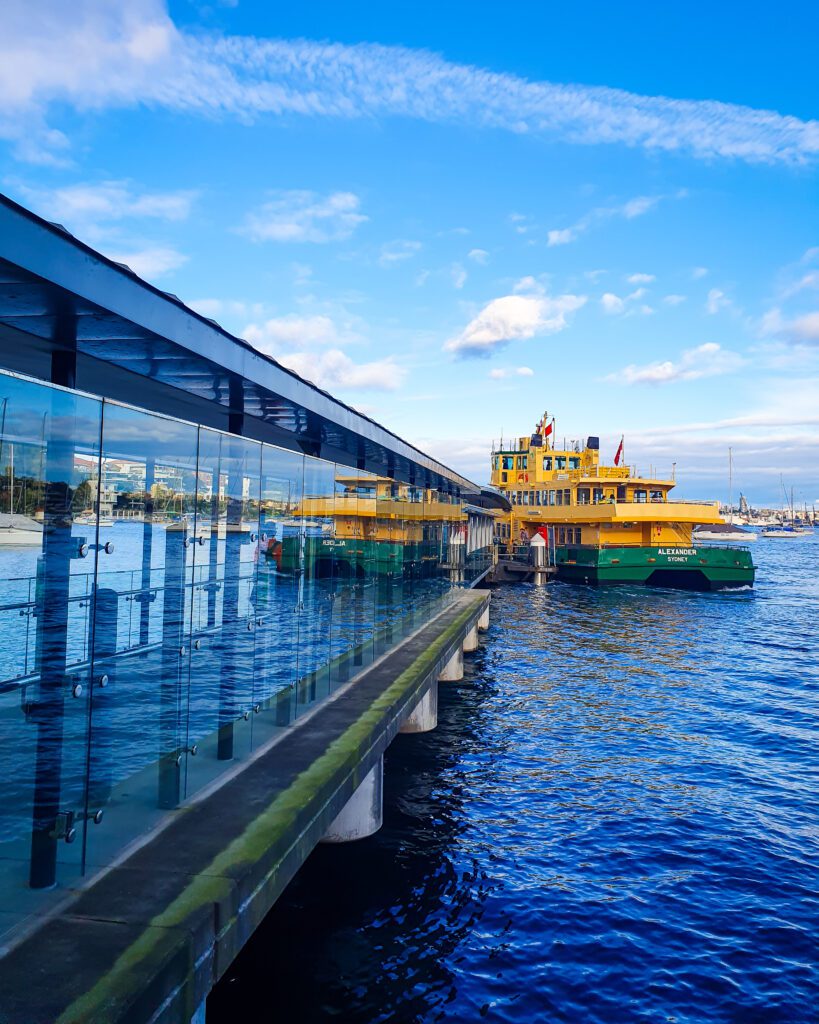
[(138, 344)]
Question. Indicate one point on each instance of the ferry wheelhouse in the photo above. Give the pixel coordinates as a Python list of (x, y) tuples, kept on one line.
[(607, 524)]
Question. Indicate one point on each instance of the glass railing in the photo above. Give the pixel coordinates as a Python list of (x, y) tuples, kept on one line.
[(169, 601)]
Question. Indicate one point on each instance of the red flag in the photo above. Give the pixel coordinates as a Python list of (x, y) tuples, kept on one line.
[(619, 453), (549, 429)]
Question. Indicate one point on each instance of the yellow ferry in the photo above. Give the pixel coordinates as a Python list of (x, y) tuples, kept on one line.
[(606, 524)]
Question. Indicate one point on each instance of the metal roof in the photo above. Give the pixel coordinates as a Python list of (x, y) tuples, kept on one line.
[(59, 294)]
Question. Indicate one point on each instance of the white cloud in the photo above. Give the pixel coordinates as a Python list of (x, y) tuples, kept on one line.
[(629, 210), (807, 282), (641, 278), (93, 203), (94, 55), (458, 275), (674, 300), (395, 252), (561, 236), (478, 256), (303, 216), (151, 263), (716, 301), (308, 345), (612, 303), (292, 331), (615, 305), (709, 360), (802, 330), (335, 371), (421, 278), (698, 272), (518, 371), (511, 318)]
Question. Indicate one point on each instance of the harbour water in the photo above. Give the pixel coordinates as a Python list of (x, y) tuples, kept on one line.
[(615, 821)]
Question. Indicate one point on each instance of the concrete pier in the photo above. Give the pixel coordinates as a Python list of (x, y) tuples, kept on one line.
[(454, 668), (483, 621), (363, 814), (471, 640), (424, 716)]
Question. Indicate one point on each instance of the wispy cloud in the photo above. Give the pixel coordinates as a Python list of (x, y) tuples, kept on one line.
[(512, 318), (631, 303), (397, 251), (478, 256), (641, 278), (335, 371), (499, 373), (674, 300), (309, 345), (717, 300), (800, 330), (151, 262), (458, 275), (629, 210), (709, 360), (92, 203), (94, 55), (302, 216)]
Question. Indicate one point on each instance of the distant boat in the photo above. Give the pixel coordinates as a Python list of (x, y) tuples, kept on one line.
[(787, 531), (18, 530), (722, 533)]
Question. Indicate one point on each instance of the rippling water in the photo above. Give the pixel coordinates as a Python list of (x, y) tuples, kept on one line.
[(616, 820)]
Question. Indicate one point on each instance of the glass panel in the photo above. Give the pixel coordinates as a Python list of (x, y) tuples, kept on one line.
[(315, 606), (277, 592), (224, 594), (49, 469), (142, 624), (366, 570), (347, 574)]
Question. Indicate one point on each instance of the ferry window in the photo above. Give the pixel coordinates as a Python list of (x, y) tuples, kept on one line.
[(574, 462), (551, 497), (561, 536), (597, 495), (577, 536), (567, 499), (560, 497), (524, 462), (525, 497), (547, 462), (640, 496), (508, 462), (570, 536), (537, 497), (560, 461), (504, 478), (582, 495), (494, 462), (656, 495)]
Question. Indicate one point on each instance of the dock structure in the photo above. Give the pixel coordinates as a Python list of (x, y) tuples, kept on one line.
[(222, 593)]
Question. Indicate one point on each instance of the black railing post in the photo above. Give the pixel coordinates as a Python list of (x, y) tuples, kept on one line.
[(104, 697), (54, 571), (175, 654)]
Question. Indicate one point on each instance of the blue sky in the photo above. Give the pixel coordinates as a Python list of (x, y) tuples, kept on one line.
[(456, 215)]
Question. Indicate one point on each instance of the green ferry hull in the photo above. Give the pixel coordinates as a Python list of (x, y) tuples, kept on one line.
[(700, 568)]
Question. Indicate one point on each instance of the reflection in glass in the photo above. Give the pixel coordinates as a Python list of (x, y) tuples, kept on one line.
[(171, 598)]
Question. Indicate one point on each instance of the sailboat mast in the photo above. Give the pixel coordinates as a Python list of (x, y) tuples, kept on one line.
[(730, 486)]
